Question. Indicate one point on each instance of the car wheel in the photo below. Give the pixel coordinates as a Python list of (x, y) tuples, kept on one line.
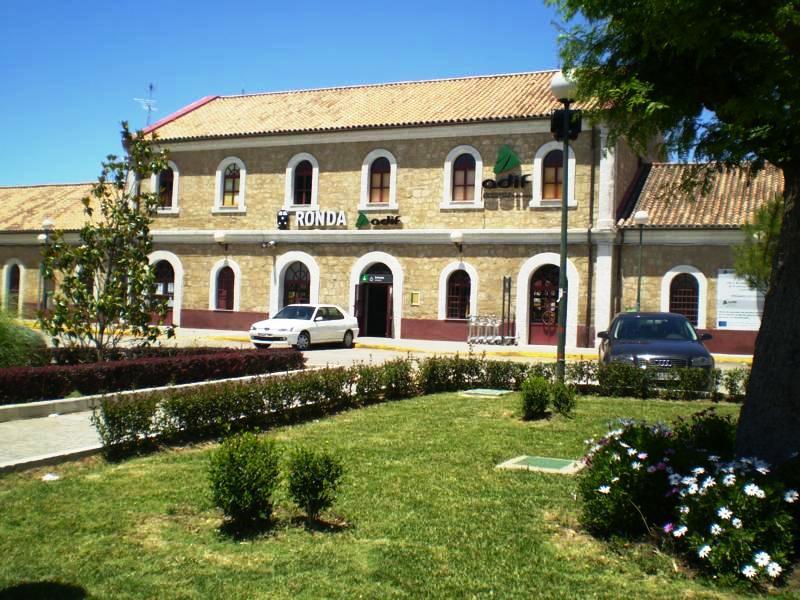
[(261, 346), (303, 341), (347, 342)]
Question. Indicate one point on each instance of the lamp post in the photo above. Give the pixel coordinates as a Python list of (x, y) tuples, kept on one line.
[(640, 218), (44, 239), (563, 89)]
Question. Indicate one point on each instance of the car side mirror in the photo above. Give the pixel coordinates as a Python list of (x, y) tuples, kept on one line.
[(320, 318), (603, 335), (705, 336)]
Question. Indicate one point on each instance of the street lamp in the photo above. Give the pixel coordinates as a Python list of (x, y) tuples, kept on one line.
[(563, 89), (641, 218), (44, 239)]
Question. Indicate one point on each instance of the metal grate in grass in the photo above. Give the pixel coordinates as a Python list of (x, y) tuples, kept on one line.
[(542, 464), (484, 393)]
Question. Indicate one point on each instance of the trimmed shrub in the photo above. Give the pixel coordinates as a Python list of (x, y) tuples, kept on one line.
[(506, 375), (28, 384), (244, 473), (314, 478), (126, 426), (562, 397), (398, 379), (735, 382), (622, 379), (535, 397), (74, 355), (368, 380), (20, 346)]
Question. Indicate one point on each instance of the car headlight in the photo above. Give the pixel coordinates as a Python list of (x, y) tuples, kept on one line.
[(623, 358), (702, 361)]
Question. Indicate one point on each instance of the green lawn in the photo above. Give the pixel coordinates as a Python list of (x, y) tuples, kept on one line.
[(423, 514)]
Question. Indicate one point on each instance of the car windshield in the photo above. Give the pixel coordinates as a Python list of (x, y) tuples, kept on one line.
[(653, 328), (300, 313)]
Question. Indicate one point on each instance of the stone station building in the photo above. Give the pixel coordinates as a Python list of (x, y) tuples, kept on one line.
[(352, 195)]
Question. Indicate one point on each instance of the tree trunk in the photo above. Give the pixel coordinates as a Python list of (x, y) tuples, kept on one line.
[(769, 422)]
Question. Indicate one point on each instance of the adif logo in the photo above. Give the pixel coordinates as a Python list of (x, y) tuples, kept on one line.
[(507, 159)]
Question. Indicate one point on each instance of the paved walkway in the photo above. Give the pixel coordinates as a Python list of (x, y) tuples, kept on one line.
[(45, 440)]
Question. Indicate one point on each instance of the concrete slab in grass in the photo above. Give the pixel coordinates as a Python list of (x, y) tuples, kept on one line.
[(484, 393), (542, 464)]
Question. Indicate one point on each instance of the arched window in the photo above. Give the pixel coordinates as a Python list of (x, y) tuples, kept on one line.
[(303, 182), (684, 296), (296, 284), (166, 181), (379, 181), (165, 282), (230, 186), (12, 289), (464, 178), (553, 175), (458, 291), (225, 288)]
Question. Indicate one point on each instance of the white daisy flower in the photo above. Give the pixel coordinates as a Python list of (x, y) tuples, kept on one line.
[(749, 571), (680, 531), (715, 529), (709, 482), (674, 479), (704, 551), (693, 489), (698, 470), (631, 451), (689, 480), (762, 559), (615, 457), (635, 465), (642, 456), (791, 496), (614, 479), (683, 509), (724, 513), (737, 523), (604, 489), (623, 444), (713, 458), (729, 479), (751, 489), (774, 569)]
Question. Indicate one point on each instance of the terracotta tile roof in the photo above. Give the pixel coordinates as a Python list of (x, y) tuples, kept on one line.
[(730, 201), (438, 102), (25, 207)]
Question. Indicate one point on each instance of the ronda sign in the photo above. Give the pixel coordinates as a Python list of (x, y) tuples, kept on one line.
[(321, 218)]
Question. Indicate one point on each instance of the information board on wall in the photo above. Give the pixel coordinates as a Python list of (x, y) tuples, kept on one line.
[(738, 305)]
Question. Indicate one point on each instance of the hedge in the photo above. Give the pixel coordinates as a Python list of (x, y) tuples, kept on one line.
[(29, 384), (77, 355), (192, 413)]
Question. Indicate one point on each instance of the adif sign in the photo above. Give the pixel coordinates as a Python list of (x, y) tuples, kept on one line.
[(321, 218)]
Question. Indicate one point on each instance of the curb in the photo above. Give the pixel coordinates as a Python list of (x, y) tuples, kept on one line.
[(49, 459)]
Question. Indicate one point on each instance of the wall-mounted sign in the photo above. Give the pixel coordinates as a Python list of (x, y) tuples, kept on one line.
[(511, 184), (389, 221), (376, 278), (738, 305), (283, 219), (321, 218)]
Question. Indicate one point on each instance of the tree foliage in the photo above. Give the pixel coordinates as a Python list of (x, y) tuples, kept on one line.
[(106, 285), (717, 81), (754, 258)]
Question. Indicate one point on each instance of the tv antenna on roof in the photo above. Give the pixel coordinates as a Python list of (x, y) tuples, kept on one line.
[(148, 104)]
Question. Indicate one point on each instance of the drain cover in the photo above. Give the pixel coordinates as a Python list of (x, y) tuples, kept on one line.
[(485, 393), (543, 464)]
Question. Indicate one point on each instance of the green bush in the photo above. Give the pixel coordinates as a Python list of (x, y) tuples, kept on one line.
[(368, 383), (562, 397), (314, 478), (505, 374), (623, 379), (124, 425), (535, 397), (735, 382), (20, 346), (244, 473), (399, 379)]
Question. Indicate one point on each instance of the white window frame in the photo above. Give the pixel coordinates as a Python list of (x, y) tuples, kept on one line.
[(702, 291), (537, 185), (177, 269), (366, 168), (212, 287), (240, 207), (288, 199), (155, 180), (444, 277), (6, 283), (447, 198)]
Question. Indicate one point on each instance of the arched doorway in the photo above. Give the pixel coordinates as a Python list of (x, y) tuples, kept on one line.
[(165, 287), (296, 284), (684, 296), (12, 291), (543, 294), (374, 300)]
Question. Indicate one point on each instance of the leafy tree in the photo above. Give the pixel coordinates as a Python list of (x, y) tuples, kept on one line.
[(106, 285), (721, 79), (754, 258)]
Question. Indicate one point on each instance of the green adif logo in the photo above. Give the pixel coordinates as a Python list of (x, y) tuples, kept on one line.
[(362, 220), (507, 159)]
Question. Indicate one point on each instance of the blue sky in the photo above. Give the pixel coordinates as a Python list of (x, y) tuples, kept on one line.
[(70, 70)]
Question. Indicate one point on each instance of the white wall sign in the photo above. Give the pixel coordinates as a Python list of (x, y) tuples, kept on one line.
[(738, 305), (321, 218)]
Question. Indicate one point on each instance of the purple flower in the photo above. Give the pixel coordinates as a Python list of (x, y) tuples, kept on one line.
[(668, 528)]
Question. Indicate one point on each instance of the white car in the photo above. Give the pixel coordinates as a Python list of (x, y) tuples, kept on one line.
[(301, 325)]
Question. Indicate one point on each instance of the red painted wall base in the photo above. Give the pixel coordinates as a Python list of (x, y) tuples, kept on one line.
[(219, 319)]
